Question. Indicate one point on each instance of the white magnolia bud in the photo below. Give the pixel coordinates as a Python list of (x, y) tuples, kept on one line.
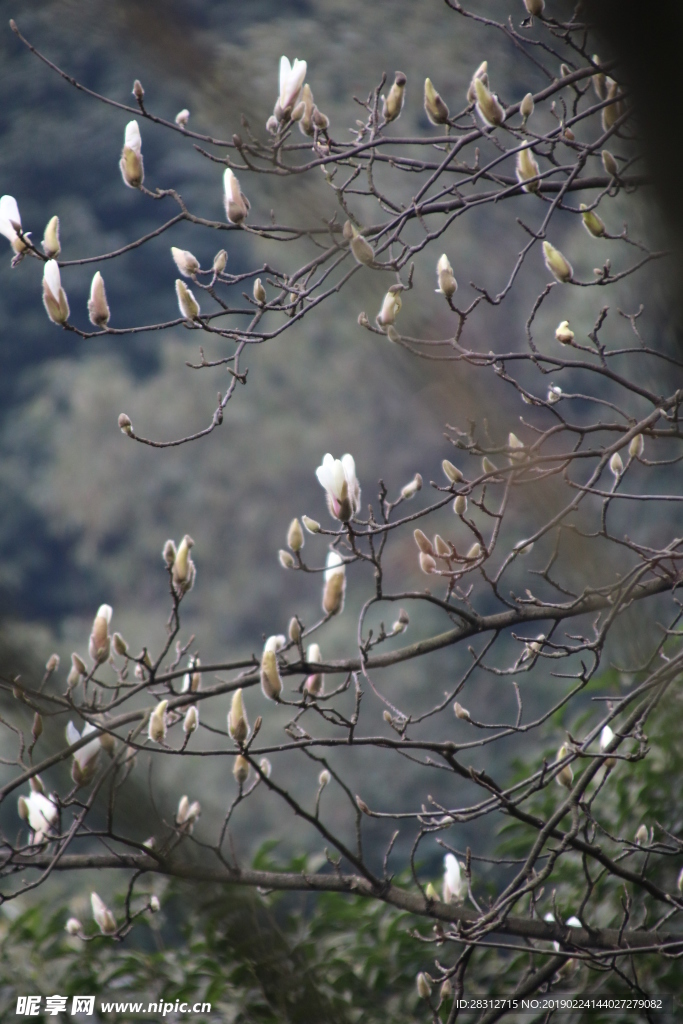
[(363, 252), (554, 395), (517, 446), (423, 542), (481, 73), (100, 641), (335, 584), (435, 108), (240, 770), (10, 224), (125, 425), (184, 570), (563, 333), (104, 919), (271, 683), (54, 297), (235, 203), (527, 169), (460, 505), (487, 466), (154, 904), (452, 472), (610, 164), (565, 776), (132, 169), (593, 224), (187, 264), (474, 552), (427, 563), (447, 285), (98, 308), (424, 988), (294, 630), (52, 663), (636, 446), (324, 778), (535, 7), (411, 489), (488, 107), (182, 117), (265, 766), (392, 104), (286, 560), (315, 683), (390, 306), (73, 926), (191, 720), (238, 725), (441, 547), (219, 261), (616, 465), (557, 264), (311, 524), (157, 722), (641, 835), (188, 305), (461, 712), (259, 292), (526, 107), (295, 536), (51, 246)]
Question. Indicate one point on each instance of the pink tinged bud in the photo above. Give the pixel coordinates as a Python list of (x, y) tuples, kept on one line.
[(295, 536), (54, 297), (424, 988), (131, 166), (315, 683), (559, 267), (191, 720), (447, 285), (392, 104), (100, 641), (427, 563), (50, 243), (488, 107), (452, 884), (52, 663), (461, 712), (188, 305), (435, 108), (138, 91), (527, 168), (637, 446), (235, 203), (335, 584), (271, 683), (184, 571), (238, 726), (240, 770), (104, 919), (157, 723), (338, 477), (616, 465), (73, 926), (187, 264), (390, 306), (182, 117), (98, 308), (125, 425), (452, 472), (10, 223)]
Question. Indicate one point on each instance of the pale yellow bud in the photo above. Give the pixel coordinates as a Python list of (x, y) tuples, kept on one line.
[(488, 106), (616, 465), (182, 117), (441, 547), (295, 536), (411, 489), (435, 108), (238, 726), (424, 988), (286, 560), (559, 267), (636, 446), (54, 297), (386, 715), (271, 683), (188, 305), (427, 563), (98, 308), (104, 919), (72, 926), (447, 285), (37, 728), (324, 778), (526, 107), (390, 306), (125, 425), (431, 893), (480, 73), (517, 446), (610, 164), (51, 246), (184, 570), (235, 203), (191, 720), (294, 630), (120, 645), (527, 168), (642, 835), (157, 722), (100, 641), (565, 776), (612, 112), (187, 264), (460, 505), (474, 552), (240, 770), (131, 166), (446, 990), (259, 292), (423, 542), (312, 525), (452, 472), (487, 466), (592, 223), (461, 712), (563, 333), (335, 584), (392, 104), (219, 261)]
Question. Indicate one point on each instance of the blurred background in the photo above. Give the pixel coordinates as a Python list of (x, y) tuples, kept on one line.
[(85, 512)]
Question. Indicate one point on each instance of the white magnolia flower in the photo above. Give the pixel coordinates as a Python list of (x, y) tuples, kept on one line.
[(187, 813), (452, 883), (291, 81), (100, 641), (338, 477), (10, 223), (192, 680), (132, 170), (104, 919), (40, 812), (98, 308), (156, 729), (335, 584), (447, 285), (85, 757), (235, 203), (606, 737), (54, 297)]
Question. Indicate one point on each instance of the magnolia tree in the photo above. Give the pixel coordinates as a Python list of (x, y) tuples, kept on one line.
[(559, 533)]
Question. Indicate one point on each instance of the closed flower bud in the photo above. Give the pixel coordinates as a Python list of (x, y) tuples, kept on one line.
[(559, 267), (54, 297), (431, 893), (157, 722), (324, 778), (423, 542), (636, 446), (294, 630), (191, 720), (446, 990), (487, 466), (98, 308), (335, 584), (265, 766), (612, 112), (452, 472), (435, 108), (460, 505), (362, 806), (259, 292), (188, 305), (286, 560), (527, 168), (37, 728), (411, 489), (138, 91), (474, 552), (480, 73), (360, 247), (427, 563), (390, 306), (104, 919), (386, 715), (235, 203), (184, 570), (599, 81), (565, 776), (392, 104), (187, 264), (315, 682), (77, 670), (554, 395), (517, 446), (72, 926), (441, 547), (131, 165), (125, 425), (592, 223), (679, 881), (271, 683), (563, 333), (238, 726), (641, 835), (295, 536), (52, 664), (616, 465), (303, 112), (447, 285), (240, 770), (461, 712), (610, 164), (168, 554), (51, 246), (219, 261), (488, 106), (311, 524), (424, 989), (535, 7), (100, 641), (107, 742), (182, 117), (606, 737), (154, 904), (452, 882), (526, 107)]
